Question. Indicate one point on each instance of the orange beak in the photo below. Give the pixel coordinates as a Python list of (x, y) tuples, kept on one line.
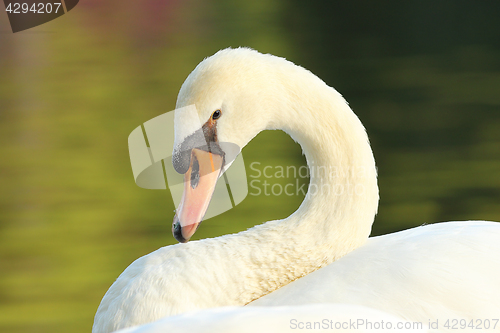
[(199, 185)]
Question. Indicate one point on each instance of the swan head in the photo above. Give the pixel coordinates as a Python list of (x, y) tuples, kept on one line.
[(221, 106)]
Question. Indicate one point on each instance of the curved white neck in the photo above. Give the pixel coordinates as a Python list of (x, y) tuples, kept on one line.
[(342, 199)]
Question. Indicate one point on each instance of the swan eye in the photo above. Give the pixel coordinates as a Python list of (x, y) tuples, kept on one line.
[(216, 115)]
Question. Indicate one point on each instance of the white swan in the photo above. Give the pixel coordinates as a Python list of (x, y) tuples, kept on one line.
[(435, 272)]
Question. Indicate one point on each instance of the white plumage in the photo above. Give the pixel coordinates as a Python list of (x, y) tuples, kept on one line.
[(447, 270)]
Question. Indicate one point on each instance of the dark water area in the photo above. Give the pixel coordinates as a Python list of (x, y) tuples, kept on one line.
[(423, 77)]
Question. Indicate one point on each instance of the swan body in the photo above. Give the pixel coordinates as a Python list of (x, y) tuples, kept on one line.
[(428, 272)]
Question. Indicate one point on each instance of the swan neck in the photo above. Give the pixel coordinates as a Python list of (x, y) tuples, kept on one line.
[(342, 199)]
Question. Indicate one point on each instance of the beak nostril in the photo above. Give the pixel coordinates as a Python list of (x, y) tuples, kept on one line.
[(195, 173)]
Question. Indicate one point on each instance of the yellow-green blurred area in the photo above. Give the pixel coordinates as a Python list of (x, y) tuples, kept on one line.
[(423, 76)]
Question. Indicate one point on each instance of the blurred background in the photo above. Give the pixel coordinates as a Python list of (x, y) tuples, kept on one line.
[(423, 76)]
